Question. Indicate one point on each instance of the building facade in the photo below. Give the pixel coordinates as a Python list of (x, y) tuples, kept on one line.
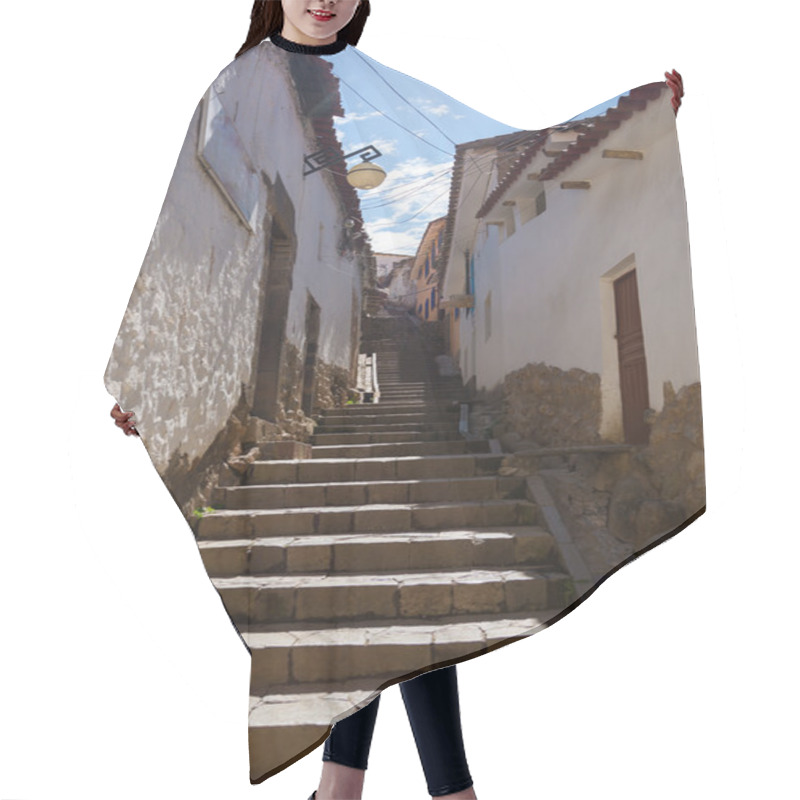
[(251, 288)]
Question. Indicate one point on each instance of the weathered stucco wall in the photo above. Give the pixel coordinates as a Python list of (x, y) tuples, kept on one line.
[(549, 280), (184, 348), (394, 276), (184, 358)]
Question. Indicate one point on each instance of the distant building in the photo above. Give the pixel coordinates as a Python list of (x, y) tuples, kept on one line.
[(424, 273), (394, 278)]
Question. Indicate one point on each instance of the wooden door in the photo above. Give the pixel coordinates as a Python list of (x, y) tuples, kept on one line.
[(632, 362)]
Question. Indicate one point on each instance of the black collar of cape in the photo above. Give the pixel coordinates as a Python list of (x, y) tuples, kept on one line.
[(311, 49)]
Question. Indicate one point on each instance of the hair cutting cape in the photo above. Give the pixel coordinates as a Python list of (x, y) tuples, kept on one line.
[(418, 380)]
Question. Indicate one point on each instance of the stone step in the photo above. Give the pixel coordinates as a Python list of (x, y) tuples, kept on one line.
[(379, 552), (338, 470), (355, 426), (378, 518), (357, 493), (414, 393), (389, 417), (397, 344), (386, 449), (431, 391), (401, 378), (282, 725), (431, 386), (431, 399), (258, 600), (404, 374), (307, 656), (389, 380), (401, 368), (391, 412), (387, 405), (414, 397), (399, 385), (389, 421), (403, 355), (385, 437), (403, 345), (405, 384), (401, 390)]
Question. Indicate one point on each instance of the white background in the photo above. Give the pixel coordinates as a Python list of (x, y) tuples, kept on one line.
[(121, 676)]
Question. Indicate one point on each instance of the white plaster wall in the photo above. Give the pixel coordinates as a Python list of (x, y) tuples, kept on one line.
[(402, 288), (551, 269), (186, 343), (477, 170), (490, 355), (331, 279), (318, 268)]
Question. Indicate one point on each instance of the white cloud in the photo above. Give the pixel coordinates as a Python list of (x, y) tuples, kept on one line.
[(389, 241), (426, 106), (354, 116), (386, 146), (437, 111), (415, 192)]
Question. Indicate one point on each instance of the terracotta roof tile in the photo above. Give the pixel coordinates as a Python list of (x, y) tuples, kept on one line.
[(318, 91), (591, 131)]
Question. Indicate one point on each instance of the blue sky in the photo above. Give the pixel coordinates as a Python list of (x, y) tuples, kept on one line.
[(416, 127), (599, 109)]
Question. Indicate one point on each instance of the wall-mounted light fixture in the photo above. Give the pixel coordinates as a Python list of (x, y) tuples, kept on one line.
[(364, 175)]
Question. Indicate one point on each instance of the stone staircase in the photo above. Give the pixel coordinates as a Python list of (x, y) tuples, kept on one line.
[(397, 546)]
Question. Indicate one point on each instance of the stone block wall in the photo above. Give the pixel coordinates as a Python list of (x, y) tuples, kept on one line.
[(333, 388), (616, 499), (675, 454), (670, 470), (552, 407), (191, 481), (665, 484), (245, 438), (290, 392)]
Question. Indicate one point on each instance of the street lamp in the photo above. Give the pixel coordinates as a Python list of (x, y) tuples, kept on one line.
[(364, 175)]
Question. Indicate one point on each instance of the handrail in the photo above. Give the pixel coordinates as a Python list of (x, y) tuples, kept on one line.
[(376, 389)]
